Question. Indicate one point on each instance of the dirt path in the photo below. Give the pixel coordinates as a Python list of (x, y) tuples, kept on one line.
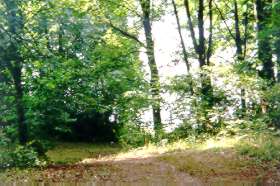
[(176, 168), (146, 171), (132, 171)]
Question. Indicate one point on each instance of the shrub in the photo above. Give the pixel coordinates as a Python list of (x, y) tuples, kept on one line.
[(181, 132), (24, 156), (261, 150), (30, 155), (133, 136), (272, 102)]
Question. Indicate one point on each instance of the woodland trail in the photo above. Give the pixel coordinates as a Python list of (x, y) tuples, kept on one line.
[(146, 166), (132, 171), (145, 171), (148, 171)]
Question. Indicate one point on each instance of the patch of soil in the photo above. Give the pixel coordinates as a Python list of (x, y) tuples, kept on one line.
[(150, 170)]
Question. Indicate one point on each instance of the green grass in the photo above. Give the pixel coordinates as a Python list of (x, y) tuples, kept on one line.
[(261, 148), (68, 153)]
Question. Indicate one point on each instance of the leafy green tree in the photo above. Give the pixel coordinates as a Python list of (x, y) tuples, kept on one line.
[(12, 58), (263, 11)]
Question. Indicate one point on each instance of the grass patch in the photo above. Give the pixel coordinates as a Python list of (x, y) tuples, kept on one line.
[(217, 159), (222, 164), (261, 148), (152, 150), (68, 153)]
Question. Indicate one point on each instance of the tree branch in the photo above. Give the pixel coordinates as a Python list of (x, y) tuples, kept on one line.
[(126, 34), (224, 20)]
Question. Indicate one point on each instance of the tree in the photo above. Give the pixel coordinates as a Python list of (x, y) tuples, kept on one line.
[(203, 49), (263, 11), (276, 35), (155, 83), (146, 19), (179, 28), (11, 56), (240, 39)]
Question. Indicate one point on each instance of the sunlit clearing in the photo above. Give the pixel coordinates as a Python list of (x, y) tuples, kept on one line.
[(152, 150), (225, 142)]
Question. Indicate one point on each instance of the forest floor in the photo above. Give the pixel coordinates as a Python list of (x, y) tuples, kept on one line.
[(215, 161)]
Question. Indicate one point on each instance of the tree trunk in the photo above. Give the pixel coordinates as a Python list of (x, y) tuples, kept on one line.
[(210, 40), (14, 61), (243, 103), (22, 127), (246, 29), (201, 39), (207, 89), (191, 26), (203, 55), (264, 39), (238, 40), (277, 51), (239, 53), (184, 50), (155, 83), (276, 23)]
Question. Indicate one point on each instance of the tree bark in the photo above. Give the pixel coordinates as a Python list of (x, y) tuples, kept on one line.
[(276, 23), (203, 55), (239, 52), (22, 127), (264, 39), (246, 29), (14, 61), (184, 50), (155, 81), (190, 23), (201, 39), (238, 40), (210, 40)]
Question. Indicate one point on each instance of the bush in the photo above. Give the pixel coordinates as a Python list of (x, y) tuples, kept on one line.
[(272, 104), (31, 155), (24, 157), (261, 150), (133, 136), (11, 132), (181, 132)]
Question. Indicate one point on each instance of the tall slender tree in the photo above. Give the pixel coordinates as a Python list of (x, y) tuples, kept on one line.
[(240, 38), (201, 49), (150, 48), (179, 28), (146, 17), (276, 34), (263, 14), (184, 49), (14, 62)]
